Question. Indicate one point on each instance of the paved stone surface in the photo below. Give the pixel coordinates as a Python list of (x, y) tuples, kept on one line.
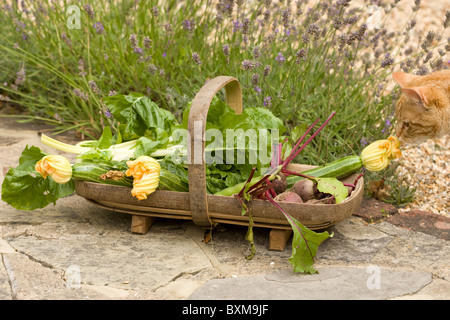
[(74, 250), (372, 210), (345, 283), (423, 221)]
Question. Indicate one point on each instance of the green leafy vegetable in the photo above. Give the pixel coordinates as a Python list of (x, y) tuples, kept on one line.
[(139, 116), (334, 187), (25, 189), (305, 243)]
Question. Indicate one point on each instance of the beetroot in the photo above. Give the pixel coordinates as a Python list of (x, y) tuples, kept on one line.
[(305, 188), (279, 184), (289, 196)]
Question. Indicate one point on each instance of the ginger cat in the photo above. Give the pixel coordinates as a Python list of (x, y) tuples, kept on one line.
[(423, 110)]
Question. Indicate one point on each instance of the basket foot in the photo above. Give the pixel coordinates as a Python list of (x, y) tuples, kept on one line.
[(141, 224), (278, 239)]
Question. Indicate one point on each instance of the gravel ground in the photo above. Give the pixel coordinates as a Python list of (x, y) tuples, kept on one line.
[(426, 167)]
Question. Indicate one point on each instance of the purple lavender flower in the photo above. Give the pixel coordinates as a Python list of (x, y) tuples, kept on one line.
[(147, 42), (226, 49), (267, 101), (280, 58), (79, 93), (164, 54), (107, 112), (94, 86), (305, 38), (344, 3), (89, 10), (168, 27), (428, 41), (188, 25), (266, 70), (66, 39), (20, 76), (248, 64), (196, 58), (81, 68), (301, 55), (447, 20), (237, 25), (245, 26), (256, 52), (152, 68), (313, 29), (258, 89), (363, 141), (155, 11), (285, 14), (388, 61), (387, 125), (98, 26), (137, 50), (133, 39), (255, 78)]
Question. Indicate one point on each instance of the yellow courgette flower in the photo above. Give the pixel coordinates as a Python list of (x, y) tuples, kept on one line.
[(141, 165), (376, 156), (145, 172), (55, 166), (146, 185)]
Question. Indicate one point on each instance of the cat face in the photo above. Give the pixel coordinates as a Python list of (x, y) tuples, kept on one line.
[(415, 123), (421, 111)]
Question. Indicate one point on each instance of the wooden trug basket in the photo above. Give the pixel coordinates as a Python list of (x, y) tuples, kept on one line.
[(207, 210)]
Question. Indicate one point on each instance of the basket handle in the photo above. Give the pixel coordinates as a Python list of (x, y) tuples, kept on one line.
[(196, 128)]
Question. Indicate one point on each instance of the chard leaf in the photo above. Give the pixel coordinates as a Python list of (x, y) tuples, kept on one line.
[(139, 116), (333, 186), (25, 189), (95, 154), (106, 140), (146, 145)]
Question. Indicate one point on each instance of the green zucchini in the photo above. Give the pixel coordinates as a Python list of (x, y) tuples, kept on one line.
[(338, 169), (97, 172), (172, 182)]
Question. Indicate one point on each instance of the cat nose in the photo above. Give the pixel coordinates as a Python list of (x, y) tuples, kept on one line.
[(399, 133)]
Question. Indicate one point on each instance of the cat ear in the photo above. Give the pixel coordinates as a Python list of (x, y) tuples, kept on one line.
[(403, 78), (417, 94)]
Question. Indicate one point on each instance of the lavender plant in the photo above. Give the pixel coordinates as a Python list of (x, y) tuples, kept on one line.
[(301, 59)]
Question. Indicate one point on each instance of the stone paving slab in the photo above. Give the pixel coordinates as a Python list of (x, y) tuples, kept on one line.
[(348, 283)]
